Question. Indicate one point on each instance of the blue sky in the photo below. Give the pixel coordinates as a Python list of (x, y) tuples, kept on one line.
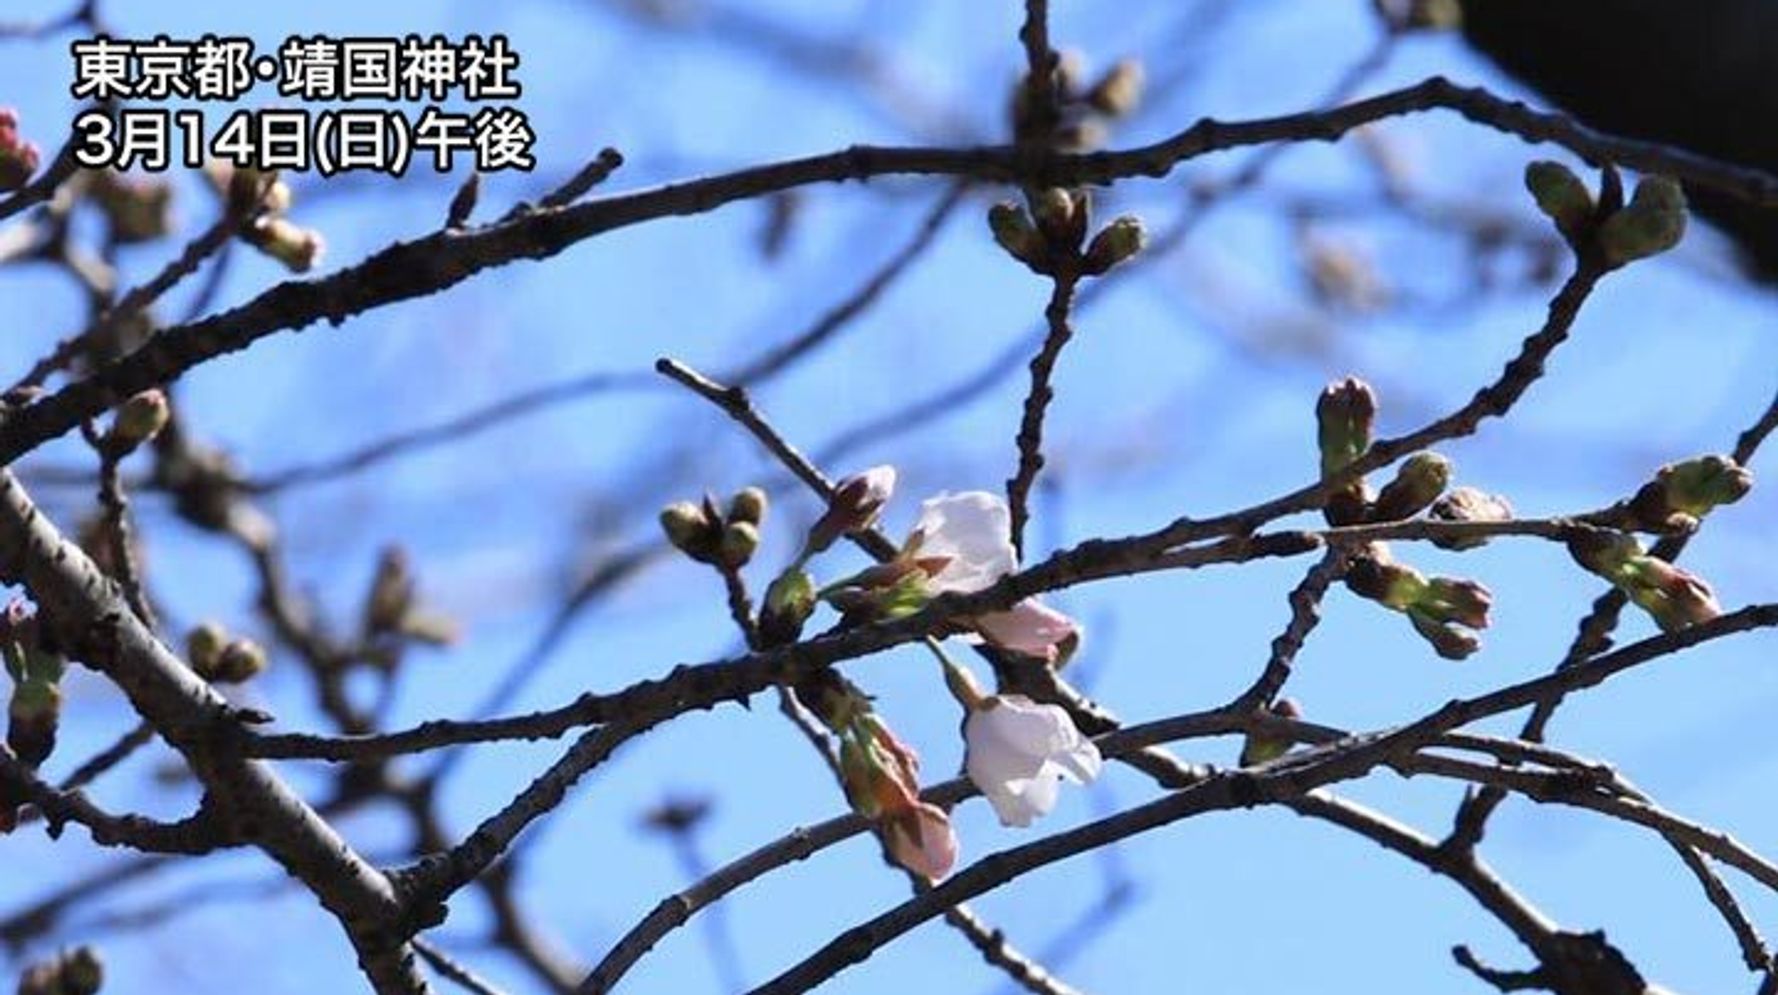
[(1188, 391)]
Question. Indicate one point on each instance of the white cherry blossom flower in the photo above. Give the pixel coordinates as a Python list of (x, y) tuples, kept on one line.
[(1018, 753), (971, 535)]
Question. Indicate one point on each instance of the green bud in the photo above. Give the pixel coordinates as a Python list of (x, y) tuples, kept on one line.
[(789, 602), (391, 595), (1697, 486), (140, 419), (1466, 504), (904, 596), (1261, 747), (748, 505), (241, 660), (1607, 554), (1394, 585), (1116, 242), (1016, 234), (203, 648), (1061, 216), (1418, 483), (1652, 223), (691, 531), (1448, 599), (1345, 416), (740, 540), (1119, 91), (832, 699), (33, 717), (1561, 195)]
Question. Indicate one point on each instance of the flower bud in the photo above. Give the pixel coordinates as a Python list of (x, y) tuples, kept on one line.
[(1607, 554), (748, 505), (832, 699), (1119, 91), (1675, 598), (1561, 195), (1116, 242), (240, 661), (430, 628), (1261, 747), (1016, 234), (1466, 504), (298, 248), (33, 716), (203, 648), (18, 159), (391, 594), (140, 419), (691, 530), (1418, 483), (1447, 641), (1061, 216), (1344, 415), (853, 507), (1652, 223), (1394, 585), (1448, 599), (789, 602), (1691, 488), (740, 540)]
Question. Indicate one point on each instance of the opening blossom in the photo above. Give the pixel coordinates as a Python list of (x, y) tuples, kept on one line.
[(881, 778), (1018, 753), (971, 535)]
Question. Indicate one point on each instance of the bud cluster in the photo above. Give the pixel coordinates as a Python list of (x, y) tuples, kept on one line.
[(704, 532), (219, 659), (392, 609), (261, 199), (1048, 236), (1445, 611), (1651, 223), (1066, 113), (1683, 493)]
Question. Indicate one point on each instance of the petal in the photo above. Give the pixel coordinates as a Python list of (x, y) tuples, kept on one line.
[(1039, 796), (972, 529), (992, 758), (1039, 729), (1080, 764), (923, 841), (1029, 627)]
